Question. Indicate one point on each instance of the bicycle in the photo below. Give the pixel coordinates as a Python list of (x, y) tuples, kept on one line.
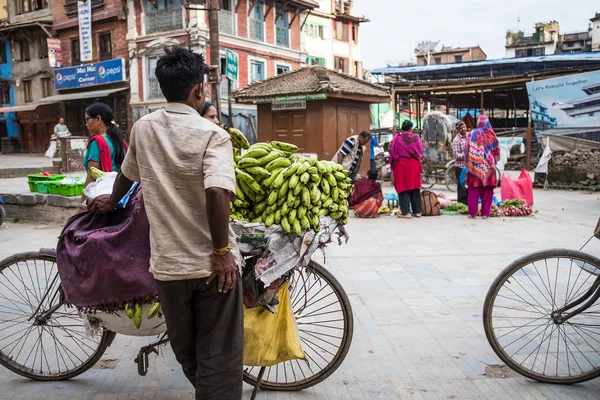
[(541, 316), (41, 338), (432, 175)]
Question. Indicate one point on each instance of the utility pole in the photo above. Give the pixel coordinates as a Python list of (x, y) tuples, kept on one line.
[(215, 57)]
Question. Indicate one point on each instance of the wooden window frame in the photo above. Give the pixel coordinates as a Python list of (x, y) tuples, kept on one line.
[(105, 56), (75, 49), (27, 91), (46, 83)]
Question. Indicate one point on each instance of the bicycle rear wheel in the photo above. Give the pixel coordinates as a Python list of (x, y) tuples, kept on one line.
[(451, 181), (326, 326), (521, 328), (45, 349), (428, 177)]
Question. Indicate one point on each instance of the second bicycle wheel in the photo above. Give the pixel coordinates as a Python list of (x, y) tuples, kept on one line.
[(325, 325), (40, 337), (520, 317)]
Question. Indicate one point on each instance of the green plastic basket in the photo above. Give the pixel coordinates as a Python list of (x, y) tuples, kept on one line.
[(42, 187), (71, 189), (40, 177), (33, 179), (54, 188)]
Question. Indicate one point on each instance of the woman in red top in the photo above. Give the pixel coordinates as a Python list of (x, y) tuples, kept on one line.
[(406, 153)]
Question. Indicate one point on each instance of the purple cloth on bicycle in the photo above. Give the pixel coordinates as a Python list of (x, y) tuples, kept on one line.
[(104, 260)]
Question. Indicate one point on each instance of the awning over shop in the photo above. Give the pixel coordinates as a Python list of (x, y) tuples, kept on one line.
[(27, 107), (80, 95)]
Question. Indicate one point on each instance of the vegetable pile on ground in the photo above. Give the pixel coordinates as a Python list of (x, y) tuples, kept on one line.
[(512, 208), (458, 208), (276, 186)]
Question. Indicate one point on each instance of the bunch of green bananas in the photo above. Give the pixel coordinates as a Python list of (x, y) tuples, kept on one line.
[(96, 173), (238, 139), (276, 186), (134, 312)]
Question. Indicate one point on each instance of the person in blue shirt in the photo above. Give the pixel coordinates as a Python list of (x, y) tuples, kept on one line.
[(374, 143)]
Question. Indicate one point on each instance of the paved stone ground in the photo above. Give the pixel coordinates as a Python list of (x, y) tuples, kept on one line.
[(417, 290)]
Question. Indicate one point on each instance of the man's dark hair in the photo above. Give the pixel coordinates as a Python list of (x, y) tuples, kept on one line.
[(178, 71), (372, 175), (459, 124), (365, 134)]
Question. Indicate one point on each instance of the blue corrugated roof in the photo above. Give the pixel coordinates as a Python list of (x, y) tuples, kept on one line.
[(503, 62)]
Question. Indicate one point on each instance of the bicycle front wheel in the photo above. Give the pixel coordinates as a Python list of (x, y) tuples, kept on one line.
[(325, 325), (36, 342), (520, 317)]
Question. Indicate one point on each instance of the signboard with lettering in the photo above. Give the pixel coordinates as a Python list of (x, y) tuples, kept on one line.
[(101, 73), (231, 71), (299, 97), (54, 53), (571, 101), (84, 9), (289, 105)]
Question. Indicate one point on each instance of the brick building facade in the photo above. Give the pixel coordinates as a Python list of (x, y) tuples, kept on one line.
[(266, 35), (109, 42)]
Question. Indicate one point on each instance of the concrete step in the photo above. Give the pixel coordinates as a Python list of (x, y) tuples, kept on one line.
[(24, 171)]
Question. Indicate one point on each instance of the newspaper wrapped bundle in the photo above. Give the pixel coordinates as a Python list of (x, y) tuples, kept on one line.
[(283, 251)]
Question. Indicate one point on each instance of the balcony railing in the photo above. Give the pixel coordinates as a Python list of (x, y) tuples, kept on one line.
[(257, 30), (282, 36), (226, 22), (164, 20), (154, 91)]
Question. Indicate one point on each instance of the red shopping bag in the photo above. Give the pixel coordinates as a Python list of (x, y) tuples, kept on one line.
[(517, 189)]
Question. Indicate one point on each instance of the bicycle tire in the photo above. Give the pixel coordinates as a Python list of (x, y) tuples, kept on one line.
[(492, 294), (342, 350), (450, 176), (427, 180), (7, 361)]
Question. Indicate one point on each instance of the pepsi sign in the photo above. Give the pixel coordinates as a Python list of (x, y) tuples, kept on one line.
[(101, 73)]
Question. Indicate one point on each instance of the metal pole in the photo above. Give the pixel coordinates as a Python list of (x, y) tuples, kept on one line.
[(230, 103), (529, 136), (215, 57)]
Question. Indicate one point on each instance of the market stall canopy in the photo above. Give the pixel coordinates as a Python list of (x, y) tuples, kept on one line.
[(312, 83), (28, 107), (80, 95)]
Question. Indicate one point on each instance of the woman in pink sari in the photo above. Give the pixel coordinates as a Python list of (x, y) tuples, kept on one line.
[(482, 153), (406, 153)]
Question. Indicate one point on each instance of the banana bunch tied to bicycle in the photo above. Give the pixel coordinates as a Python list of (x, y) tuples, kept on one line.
[(276, 186), (135, 312)]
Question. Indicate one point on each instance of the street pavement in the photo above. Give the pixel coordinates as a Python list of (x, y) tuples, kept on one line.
[(417, 289)]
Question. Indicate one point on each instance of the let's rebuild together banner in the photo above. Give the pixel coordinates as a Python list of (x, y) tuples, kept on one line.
[(568, 101)]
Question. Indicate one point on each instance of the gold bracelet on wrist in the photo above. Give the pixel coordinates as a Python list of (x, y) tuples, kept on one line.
[(221, 252)]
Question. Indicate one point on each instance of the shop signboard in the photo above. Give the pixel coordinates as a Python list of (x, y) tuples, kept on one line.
[(54, 53), (100, 73), (84, 9), (289, 105), (565, 102), (300, 97), (231, 71)]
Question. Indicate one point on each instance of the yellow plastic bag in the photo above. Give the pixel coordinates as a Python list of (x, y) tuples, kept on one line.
[(270, 339)]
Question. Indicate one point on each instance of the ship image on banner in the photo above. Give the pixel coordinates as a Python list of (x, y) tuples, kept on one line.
[(565, 102)]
